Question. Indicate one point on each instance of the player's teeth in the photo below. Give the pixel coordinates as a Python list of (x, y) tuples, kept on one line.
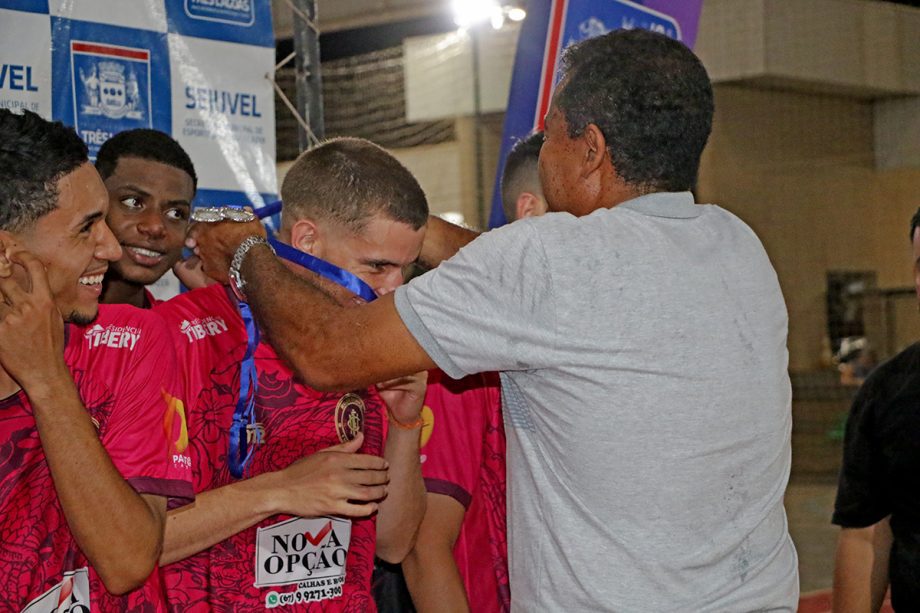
[(146, 252), (91, 280)]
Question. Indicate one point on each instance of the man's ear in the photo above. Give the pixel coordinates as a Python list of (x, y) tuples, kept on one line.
[(529, 205), (595, 149), (6, 241), (306, 236)]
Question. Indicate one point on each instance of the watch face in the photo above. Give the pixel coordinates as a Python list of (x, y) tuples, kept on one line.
[(207, 214), (236, 285), (240, 215)]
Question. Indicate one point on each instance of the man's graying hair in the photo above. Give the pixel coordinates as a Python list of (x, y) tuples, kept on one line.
[(651, 98), (34, 155)]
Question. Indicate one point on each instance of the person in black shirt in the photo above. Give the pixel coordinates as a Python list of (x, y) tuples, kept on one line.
[(878, 498)]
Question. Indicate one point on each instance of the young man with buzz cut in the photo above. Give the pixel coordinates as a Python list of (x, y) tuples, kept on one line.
[(297, 488), (151, 183), (93, 432)]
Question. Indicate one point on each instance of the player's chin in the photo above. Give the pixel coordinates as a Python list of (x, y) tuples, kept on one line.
[(83, 316), (142, 275)]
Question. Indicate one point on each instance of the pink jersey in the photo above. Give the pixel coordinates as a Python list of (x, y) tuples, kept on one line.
[(124, 370), (463, 456), (292, 563)]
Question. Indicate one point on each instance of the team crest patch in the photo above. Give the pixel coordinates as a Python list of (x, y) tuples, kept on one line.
[(349, 417)]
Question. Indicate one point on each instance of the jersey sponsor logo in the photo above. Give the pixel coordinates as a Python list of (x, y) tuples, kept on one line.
[(176, 431), (310, 553), (112, 336), (349, 417), (235, 12), (71, 595), (200, 328)]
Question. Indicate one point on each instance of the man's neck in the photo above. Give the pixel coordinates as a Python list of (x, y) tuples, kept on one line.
[(8, 385), (117, 291)]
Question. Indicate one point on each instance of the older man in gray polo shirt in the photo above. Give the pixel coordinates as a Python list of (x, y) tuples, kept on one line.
[(641, 339)]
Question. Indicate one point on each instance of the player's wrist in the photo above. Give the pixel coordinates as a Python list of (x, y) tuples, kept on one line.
[(52, 382), (407, 423)]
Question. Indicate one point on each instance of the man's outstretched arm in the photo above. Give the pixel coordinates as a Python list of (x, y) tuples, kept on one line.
[(331, 347), (443, 240)]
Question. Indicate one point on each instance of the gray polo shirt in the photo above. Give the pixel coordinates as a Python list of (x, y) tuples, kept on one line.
[(646, 398)]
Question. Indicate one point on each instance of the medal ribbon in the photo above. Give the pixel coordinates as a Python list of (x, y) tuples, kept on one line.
[(315, 264), (244, 416)]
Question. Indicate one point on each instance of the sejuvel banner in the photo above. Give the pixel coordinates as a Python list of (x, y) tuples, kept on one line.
[(195, 69)]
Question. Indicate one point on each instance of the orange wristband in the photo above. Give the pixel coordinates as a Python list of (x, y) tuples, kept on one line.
[(418, 423)]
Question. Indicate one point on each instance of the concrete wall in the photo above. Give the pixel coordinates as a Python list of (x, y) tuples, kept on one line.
[(800, 170)]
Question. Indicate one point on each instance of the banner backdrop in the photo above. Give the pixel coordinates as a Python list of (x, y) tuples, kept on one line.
[(195, 69), (553, 25)]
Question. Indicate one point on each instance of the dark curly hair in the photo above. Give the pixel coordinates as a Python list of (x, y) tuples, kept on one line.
[(651, 98), (34, 154), (146, 144)]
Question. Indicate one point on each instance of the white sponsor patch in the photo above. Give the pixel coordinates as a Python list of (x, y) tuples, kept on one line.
[(71, 595), (197, 329), (115, 337), (307, 552)]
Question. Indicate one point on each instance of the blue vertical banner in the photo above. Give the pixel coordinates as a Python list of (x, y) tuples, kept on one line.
[(553, 25), (196, 69)]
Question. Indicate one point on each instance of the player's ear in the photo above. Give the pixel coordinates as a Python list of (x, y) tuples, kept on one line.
[(306, 236)]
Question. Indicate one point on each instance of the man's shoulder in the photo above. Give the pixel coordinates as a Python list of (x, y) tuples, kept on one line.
[(213, 298), (895, 371)]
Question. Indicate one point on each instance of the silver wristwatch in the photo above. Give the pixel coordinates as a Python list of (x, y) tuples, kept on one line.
[(236, 279)]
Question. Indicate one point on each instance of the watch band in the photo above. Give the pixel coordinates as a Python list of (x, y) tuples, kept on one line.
[(237, 283)]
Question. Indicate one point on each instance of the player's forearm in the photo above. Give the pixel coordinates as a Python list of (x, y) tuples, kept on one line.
[(442, 240), (433, 579), (402, 511), (861, 568), (123, 546), (215, 516)]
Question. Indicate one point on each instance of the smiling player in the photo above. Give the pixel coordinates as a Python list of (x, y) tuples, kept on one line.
[(151, 183)]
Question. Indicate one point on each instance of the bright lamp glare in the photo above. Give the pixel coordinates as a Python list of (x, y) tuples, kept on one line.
[(517, 14), (469, 12)]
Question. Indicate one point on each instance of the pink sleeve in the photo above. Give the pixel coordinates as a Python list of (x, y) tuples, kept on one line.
[(146, 434), (452, 455)]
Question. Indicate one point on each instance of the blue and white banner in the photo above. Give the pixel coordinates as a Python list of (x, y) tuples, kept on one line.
[(553, 25), (196, 69)]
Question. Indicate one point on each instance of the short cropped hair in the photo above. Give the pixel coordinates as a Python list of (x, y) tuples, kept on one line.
[(146, 144), (521, 173), (349, 180), (651, 98), (914, 224), (34, 155)]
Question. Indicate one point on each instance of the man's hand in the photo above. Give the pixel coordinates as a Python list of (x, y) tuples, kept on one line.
[(31, 327), (191, 273), (405, 396), (335, 481), (215, 243)]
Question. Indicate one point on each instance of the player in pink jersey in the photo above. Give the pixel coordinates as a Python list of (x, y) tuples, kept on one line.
[(151, 183), (460, 559), (300, 530), (92, 432)]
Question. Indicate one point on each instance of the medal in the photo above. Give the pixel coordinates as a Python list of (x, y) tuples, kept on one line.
[(214, 214), (349, 417)]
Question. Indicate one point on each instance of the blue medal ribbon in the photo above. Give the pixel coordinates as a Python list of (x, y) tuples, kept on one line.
[(244, 416)]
